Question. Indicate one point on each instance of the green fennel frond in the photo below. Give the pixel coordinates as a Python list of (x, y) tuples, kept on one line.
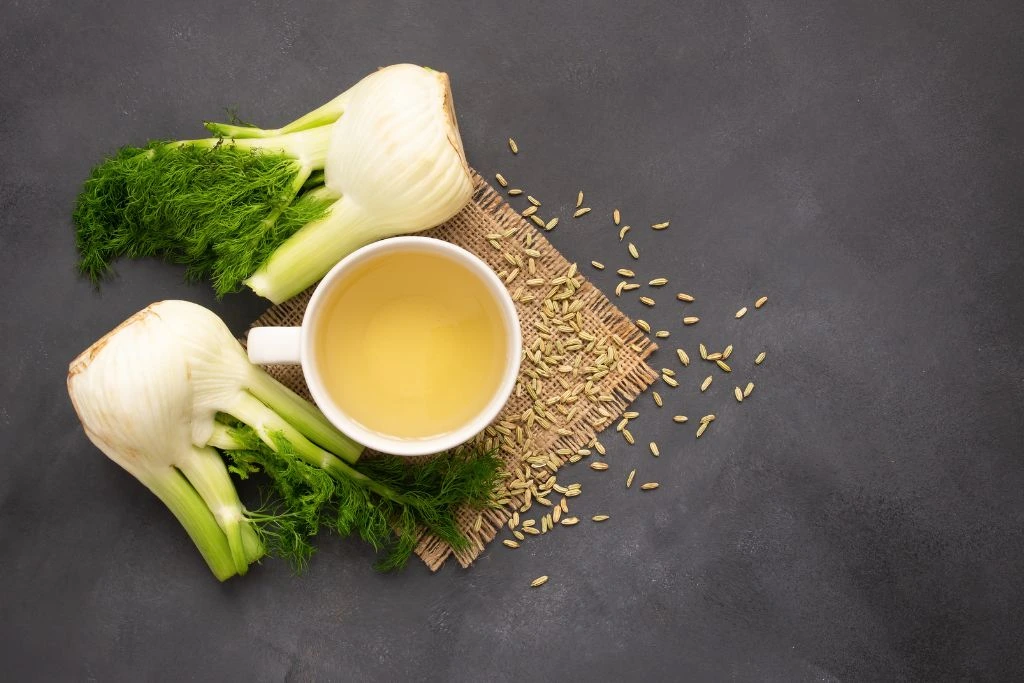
[(426, 495), (219, 208)]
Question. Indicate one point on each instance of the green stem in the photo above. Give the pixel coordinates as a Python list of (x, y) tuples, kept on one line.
[(309, 146), (306, 256), (192, 512), (321, 116), (205, 470), (306, 418), (266, 423)]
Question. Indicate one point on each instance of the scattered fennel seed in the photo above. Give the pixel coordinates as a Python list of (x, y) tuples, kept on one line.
[(501, 179)]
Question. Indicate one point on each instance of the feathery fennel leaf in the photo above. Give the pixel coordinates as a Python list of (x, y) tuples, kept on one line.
[(220, 209), (426, 495)]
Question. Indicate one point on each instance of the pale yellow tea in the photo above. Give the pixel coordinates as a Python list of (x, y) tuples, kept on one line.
[(411, 345)]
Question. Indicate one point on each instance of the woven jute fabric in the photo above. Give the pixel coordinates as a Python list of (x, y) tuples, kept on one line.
[(567, 418)]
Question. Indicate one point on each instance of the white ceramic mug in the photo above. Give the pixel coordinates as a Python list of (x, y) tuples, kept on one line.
[(294, 345)]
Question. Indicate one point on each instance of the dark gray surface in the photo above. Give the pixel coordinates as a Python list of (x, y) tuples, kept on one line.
[(858, 519)]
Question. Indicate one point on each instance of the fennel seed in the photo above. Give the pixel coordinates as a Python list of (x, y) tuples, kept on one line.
[(727, 352), (668, 371), (643, 325), (510, 543), (579, 199), (629, 478), (682, 296), (654, 449), (618, 288), (616, 216), (702, 428), (597, 264), (550, 225), (647, 301), (714, 356), (658, 282), (679, 418), (556, 513), (671, 381), (683, 358), (570, 521), (691, 320), (747, 389), (633, 251), (599, 518), (649, 486), (738, 393), (660, 226), (537, 220), (722, 364), (581, 212), (515, 192), (630, 286), (742, 312), (703, 349), (628, 436), (622, 232), (625, 272), (631, 414), (706, 383), (759, 359), (539, 581), (662, 334), (533, 200), (657, 399), (760, 302), (599, 466), (501, 179), (519, 534)]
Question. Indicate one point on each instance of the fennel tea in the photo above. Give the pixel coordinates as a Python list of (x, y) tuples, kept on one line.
[(411, 344)]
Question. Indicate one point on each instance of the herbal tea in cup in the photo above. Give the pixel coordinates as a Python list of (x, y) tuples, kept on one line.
[(410, 346)]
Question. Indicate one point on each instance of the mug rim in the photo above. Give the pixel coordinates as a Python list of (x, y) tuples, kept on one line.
[(395, 445)]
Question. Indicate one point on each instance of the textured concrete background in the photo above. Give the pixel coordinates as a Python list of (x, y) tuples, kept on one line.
[(858, 519)]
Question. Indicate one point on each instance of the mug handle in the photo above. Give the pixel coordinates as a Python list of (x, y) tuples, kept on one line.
[(275, 345)]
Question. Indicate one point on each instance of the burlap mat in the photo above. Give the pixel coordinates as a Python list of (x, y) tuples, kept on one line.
[(574, 400)]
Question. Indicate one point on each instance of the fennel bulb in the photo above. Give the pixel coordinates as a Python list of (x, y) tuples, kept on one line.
[(167, 389), (275, 209)]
